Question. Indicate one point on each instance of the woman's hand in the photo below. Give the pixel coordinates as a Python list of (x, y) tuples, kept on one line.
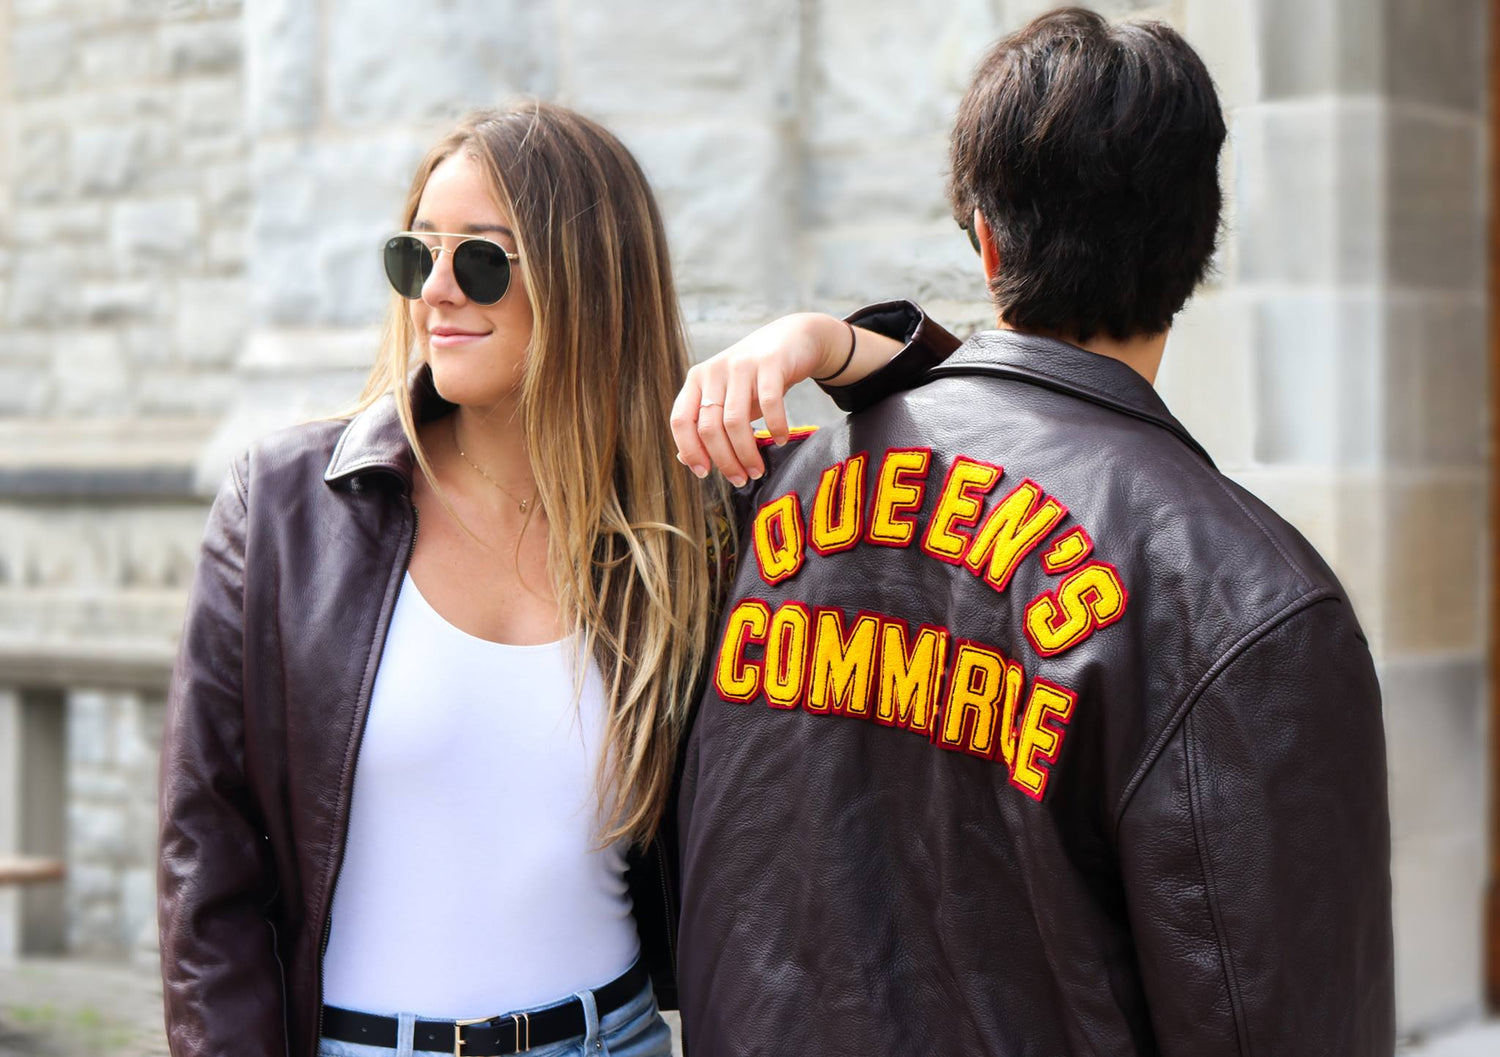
[(713, 414)]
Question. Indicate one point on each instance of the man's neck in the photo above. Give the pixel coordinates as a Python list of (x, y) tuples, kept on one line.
[(1142, 355)]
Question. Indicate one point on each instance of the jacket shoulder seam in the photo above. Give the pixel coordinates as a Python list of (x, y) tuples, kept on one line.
[(240, 485), (1211, 892), (1236, 649)]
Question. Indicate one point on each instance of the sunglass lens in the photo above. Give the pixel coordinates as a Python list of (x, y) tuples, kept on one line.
[(482, 270), (408, 263)]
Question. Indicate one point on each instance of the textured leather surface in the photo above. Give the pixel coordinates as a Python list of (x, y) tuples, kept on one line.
[(1207, 869)]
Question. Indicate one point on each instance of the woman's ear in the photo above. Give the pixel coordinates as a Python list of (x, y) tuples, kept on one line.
[(989, 256)]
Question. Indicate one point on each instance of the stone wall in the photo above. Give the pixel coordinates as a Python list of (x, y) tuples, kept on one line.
[(191, 192)]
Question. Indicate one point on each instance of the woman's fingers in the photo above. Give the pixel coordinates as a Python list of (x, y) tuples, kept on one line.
[(710, 424), (690, 450), (741, 408)]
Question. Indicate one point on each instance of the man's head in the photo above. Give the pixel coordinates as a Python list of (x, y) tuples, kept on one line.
[(1092, 152)]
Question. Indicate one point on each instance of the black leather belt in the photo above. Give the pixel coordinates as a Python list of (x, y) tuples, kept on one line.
[(487, 1036)]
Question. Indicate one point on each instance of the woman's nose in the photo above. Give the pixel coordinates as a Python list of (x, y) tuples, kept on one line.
[(441, 288)]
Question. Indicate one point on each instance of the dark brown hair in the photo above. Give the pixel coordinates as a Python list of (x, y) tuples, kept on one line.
[(1092, 151)]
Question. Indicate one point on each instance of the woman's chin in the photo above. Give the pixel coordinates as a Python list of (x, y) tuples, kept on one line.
[(466, 387)]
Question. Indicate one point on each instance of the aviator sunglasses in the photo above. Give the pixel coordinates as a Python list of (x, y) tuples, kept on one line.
[(480, 267)]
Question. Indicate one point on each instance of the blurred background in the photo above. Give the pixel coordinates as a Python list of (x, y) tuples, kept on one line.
[(193, 192)]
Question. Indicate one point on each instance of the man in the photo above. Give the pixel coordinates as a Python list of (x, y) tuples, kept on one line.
[(1028, 732)]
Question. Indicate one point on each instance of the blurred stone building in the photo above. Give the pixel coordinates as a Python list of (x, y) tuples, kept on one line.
[(192, 193)]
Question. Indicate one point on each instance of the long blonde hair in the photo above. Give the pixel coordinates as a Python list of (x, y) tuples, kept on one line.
[(630, 551)]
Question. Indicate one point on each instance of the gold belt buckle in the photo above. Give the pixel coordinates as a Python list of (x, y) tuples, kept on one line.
[(522, 1020), (458, 1033)]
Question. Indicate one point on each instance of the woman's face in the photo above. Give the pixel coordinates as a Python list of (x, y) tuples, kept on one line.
[(477, 352)]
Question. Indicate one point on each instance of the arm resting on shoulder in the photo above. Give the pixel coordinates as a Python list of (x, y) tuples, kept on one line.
[(1255, 854), (222, 981)]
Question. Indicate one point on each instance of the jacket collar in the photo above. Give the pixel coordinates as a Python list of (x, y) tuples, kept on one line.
[(1056, 365), (373, 441)]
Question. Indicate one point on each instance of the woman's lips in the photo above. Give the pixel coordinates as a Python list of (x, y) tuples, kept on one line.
[(448, 339)]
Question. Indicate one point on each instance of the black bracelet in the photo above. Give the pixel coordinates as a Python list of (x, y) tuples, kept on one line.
[(853, 338)]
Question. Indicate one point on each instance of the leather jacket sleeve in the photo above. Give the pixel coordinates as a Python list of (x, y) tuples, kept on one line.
[(1256, 853), (926, 344), (222, 981)]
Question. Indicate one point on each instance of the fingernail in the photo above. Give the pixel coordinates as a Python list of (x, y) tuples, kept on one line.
[(681, 459), (738, 480), (756, 475), (700, 471), (781, 442)]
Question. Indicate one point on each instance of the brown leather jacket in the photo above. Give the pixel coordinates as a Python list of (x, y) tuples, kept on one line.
[(1031, 734), (306, 545)]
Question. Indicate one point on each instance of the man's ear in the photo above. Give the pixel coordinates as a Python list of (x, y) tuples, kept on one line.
[(989, 256)]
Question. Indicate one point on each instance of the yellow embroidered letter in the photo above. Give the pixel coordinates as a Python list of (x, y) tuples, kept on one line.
[(736, 678), (838, 508), (959, 506), (1040, 741), (978, 681), (1089, 599), (898, 492), (842, 666), (910, 680), (1014, 527), (778, 538), (786, 656)]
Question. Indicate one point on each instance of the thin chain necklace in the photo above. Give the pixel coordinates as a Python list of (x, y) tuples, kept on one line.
[(525, 504)]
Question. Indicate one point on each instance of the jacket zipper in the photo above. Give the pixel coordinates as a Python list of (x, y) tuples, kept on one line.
[(666, 903), (344, 836)]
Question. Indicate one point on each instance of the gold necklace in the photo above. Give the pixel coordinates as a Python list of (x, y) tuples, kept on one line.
[(525, 504)]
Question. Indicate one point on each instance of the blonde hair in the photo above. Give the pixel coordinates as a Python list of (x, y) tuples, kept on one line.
[(631, 552)]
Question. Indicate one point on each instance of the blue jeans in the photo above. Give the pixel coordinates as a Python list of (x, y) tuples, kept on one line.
[(634, 1030)]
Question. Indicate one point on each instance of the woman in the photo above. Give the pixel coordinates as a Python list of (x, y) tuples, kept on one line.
[(403, 773)]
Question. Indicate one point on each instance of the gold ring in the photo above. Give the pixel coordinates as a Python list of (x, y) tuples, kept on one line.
[(709, 403)]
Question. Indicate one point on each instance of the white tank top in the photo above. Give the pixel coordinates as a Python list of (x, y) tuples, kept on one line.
[(470, 884)]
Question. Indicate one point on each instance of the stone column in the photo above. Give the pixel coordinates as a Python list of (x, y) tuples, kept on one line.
[(1337, 367), (32, 817)]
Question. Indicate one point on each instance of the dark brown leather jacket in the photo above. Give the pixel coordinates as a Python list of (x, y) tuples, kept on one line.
[(306, 545), (1031, 734)]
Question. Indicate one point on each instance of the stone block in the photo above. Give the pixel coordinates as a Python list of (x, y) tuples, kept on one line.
[(925, 264), (1435, 533), (1207, 375), (1317, 379), (89, 374), (1309, 192), (281, 65), (891, 72), (1225, 36), (1438, 887), (41, 163), (315, 233), (114, 159), (119, 57), (711, 179), (1436, 52), (1325, 48), (226, 192), (154, 233), (1437, 205), (212, 319), (393, 67), (41, 225), (227, 251), (1436, 380), (44, 56), (24, 391), (1435, 746), (877, 184), (115, 301), (97, 833), (40, 293), (169, 391), (727, 59), (200, 47), (211, 107)]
